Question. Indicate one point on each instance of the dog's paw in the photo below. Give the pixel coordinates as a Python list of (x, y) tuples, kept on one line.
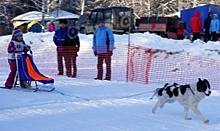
[(188, 118), (206, 121), (153, 111)]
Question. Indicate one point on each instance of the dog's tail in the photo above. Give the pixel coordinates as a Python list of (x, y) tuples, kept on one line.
[(155, 92)]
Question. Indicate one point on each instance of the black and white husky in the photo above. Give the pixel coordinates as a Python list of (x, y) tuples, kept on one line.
[(188, 96)]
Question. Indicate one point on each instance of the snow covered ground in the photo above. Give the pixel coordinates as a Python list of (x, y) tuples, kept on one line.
[(90, 105)]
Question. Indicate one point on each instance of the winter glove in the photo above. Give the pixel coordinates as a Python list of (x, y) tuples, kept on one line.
[(95, 53), (110, 53), (27, 48)]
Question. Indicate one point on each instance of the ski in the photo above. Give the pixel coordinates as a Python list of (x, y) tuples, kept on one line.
[(18, 89), (26, 89)]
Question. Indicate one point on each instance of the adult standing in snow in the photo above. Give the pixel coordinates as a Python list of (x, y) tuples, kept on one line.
[(207, 24), (214, 27), (51, 26), (71, 47), (180, 30), (16, 46), (196, 25), (103, 46), (58, 39)]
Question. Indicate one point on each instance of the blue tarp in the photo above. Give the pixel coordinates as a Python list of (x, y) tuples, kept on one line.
[(187, 14)]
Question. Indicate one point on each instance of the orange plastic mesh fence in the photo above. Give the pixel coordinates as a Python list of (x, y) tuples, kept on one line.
[(142, 66), (159, 66)]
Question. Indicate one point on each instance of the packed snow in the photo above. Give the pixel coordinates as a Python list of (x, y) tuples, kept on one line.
[(91, 105)]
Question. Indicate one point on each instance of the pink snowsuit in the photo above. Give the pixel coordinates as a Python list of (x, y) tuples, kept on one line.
[(12, 63), (51, 27), (10, 80)]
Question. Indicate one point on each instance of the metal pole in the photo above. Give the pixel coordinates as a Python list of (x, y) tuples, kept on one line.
[(128, 54)]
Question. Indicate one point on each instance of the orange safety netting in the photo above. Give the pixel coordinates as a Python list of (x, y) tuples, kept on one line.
[(135, 64)]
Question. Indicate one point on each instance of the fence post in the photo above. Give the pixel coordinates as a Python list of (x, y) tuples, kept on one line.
[(149, 59), (127, 67)]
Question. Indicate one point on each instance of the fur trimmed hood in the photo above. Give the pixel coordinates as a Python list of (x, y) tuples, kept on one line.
[(72, 36)]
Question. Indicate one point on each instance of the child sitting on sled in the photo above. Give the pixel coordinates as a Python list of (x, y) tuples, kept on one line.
[(16, 46)]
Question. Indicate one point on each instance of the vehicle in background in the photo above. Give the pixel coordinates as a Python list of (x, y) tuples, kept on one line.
[(119, 19), (162, 26)]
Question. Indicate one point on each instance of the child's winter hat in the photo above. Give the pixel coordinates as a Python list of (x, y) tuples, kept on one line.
[(216, 15), (17, 33)]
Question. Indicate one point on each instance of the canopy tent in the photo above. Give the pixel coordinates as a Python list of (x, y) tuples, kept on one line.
[(61, 14), (33, 15), (30, 16), (35, 26)]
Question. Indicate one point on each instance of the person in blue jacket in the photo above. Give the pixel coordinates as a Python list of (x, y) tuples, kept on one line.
[(103, 46), (214, 27), (58, 39)]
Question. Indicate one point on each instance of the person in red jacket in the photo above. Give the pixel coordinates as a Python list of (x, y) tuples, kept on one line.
[(180, 30), (196, 25)]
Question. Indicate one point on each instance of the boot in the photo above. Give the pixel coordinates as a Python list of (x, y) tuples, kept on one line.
[(74, 75), (98, 78)]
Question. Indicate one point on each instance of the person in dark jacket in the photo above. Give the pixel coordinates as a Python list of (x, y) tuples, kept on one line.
[(71, 46), (214, 27), (196, 25), (103, 46), (58, 39), (207, 26)]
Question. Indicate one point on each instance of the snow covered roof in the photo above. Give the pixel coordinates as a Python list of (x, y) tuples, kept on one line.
[(61, 14), (32, 15), (176, 13)]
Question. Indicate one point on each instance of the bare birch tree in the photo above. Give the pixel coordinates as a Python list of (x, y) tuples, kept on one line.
[(11, 8)]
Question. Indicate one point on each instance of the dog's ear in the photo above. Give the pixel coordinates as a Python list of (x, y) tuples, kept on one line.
[(207, 82), (175, 84), (199, 79), (166, 85)]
